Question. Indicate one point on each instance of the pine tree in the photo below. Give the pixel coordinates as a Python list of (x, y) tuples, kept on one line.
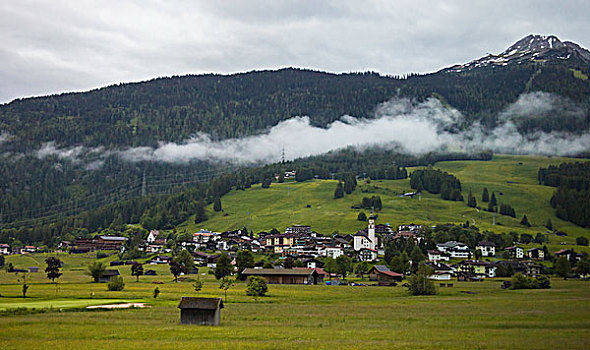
[(549, 224), (471, 202), (525, 221), (493, 201), (217, 204), (485, 197), (339, 192)]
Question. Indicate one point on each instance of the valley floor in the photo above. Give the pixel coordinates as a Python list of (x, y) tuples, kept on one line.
[(469, 315)]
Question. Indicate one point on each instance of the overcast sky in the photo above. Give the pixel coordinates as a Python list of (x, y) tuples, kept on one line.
[(55, 46)]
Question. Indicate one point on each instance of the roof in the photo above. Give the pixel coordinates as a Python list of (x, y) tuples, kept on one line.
[(562, 251), (4, 245), (450, 244), (107, 273), (486, 244), (112, 238), (386, 271), (279, 272), (200, 303)]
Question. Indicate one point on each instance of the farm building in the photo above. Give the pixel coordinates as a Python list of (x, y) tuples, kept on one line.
[(201, 311), (384, 276), (287, 276), (107, 274)]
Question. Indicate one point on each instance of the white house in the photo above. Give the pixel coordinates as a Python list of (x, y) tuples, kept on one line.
[(367, 240), (435, 255), (487, 248), (333, 252), (4, 249), (454, 249), (152, 236)]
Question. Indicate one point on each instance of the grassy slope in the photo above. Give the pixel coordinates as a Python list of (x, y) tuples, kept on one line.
[(285, 204), (295, 316)]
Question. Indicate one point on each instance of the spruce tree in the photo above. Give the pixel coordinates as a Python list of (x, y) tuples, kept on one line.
[(485, 197), (549, 224), (339, 192), (525, 221), (493, 200), (471, 202), (217, 204)]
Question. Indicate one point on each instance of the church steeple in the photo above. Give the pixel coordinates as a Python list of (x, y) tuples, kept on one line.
[(371, 228)]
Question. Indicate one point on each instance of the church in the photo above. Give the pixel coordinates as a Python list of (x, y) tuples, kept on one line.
[(366, 243)]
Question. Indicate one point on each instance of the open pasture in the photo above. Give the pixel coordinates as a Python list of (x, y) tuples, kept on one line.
[(470, 315)]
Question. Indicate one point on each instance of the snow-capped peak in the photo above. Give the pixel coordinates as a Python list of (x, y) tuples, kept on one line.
[(532, 48)]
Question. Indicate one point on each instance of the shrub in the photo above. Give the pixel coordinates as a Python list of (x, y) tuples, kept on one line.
[(156, 292), (257, 287), (116, 283), (520, 281)]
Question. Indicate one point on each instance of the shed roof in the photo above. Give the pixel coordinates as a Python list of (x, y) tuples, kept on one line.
[(200, 303), (279, 272)]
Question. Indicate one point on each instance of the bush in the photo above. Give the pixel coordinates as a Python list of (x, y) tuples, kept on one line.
[(257, 287), (116, 284), (520, 281)]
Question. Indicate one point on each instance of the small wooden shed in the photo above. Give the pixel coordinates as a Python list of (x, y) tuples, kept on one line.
[(201, 311)]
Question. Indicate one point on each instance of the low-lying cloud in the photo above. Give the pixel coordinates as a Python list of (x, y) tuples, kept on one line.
[(402, 124)]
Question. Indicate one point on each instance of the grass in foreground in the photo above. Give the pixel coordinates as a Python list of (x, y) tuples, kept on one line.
[(322, 317)]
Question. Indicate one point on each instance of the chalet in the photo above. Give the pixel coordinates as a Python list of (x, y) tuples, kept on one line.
[(286, 276), (28, 249), (276, 243), (107, 274), (312, 263), (477, 268), (435, 255), (152, 236), (441, 272), (487, 248), (4, 249), (383, 229), (527, 268), (200, 311), (515, 252), (536, 254), (161, 259), (454, 249), (407, 235), (298, 230), (384, 276), (568, 254), (100, 242), (367, 254), (411, 227)]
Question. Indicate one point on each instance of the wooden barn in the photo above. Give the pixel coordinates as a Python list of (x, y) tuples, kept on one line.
[(200, 311), (384, 276), (287, 276)]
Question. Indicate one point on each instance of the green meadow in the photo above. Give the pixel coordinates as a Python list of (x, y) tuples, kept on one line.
[(470, 315), (512, 178)]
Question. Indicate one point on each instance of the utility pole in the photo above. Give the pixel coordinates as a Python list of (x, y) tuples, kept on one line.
[(283, 155), (494, 220)]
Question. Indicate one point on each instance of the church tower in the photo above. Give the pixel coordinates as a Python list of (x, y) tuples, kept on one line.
[(371, 231)]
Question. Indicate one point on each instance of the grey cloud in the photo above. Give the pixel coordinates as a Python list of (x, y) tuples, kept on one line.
[(57, 46)]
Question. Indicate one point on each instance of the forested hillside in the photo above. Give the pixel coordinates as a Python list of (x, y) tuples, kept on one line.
[(67, 181)]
